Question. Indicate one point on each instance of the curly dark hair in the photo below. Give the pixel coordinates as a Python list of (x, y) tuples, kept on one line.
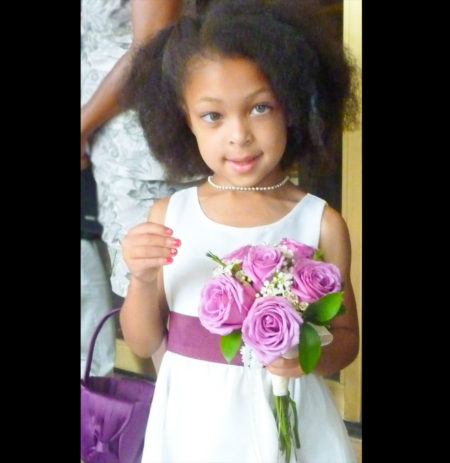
[(308, 69)]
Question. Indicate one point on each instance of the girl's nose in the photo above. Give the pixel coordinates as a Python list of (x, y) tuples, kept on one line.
[(240, 133)]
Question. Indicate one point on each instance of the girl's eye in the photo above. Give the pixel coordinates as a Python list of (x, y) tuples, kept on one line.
[(211, 117), (261, 108)]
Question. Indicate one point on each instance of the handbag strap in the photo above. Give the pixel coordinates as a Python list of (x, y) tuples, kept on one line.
[(93, 339)]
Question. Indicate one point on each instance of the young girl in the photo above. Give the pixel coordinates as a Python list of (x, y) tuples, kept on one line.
[(240, 94)]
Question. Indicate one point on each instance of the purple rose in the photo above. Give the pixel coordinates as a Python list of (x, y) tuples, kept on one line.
[(313, 279), (260, 264), (272, 328), (300, 250), (237, 254), (224, 304)]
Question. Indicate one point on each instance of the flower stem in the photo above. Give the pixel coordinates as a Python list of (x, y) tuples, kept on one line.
[(287, 425)]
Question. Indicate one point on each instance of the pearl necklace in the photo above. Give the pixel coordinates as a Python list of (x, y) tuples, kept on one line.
[(248, 188)]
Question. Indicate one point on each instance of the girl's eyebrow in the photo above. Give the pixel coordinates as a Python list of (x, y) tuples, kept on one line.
[(209, 99)]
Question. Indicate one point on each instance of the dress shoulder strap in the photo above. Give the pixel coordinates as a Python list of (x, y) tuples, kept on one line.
[(308, 219), (180, 208)]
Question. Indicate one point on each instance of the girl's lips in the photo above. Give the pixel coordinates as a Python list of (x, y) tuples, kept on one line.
[(243, 165)]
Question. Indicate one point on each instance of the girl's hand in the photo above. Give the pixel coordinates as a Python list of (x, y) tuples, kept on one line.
[(146, 248), (289, 368)]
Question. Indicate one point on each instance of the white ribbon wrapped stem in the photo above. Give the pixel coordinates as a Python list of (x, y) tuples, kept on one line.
[(280, 383)]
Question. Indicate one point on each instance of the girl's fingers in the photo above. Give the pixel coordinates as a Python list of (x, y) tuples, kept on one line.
[(151, 252), (152, 228), (146, 239), (148, 245), (150, 235)]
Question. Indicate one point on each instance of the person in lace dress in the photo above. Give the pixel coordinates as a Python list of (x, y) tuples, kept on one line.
[(128, 178)]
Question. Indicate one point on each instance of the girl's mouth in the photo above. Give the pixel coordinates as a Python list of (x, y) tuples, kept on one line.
[(243, 165)]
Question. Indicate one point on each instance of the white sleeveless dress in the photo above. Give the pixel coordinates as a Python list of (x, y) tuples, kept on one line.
[(205, 412)]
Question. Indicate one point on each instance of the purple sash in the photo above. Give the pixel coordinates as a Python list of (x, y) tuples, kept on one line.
[(188, 337)]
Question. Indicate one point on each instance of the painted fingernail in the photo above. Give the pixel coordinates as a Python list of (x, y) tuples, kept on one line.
[(176, 242), (169, 260), (173, 251), (169, 231)]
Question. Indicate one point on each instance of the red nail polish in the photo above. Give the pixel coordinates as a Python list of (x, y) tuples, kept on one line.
[(169, 260), (176, 242), (169, 231), (173, 251)]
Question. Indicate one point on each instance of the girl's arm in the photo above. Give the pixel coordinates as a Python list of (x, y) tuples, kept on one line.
[(147, 18), (146, 248), (335, 244)]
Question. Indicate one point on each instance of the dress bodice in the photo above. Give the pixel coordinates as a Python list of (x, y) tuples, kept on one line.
[(199, 234)]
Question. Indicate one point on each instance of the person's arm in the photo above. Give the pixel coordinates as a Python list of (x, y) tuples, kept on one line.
[(146, 248), (147, 18), (336, 247)]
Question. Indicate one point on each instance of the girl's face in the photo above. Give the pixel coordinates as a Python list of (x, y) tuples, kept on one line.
[(237, 121)]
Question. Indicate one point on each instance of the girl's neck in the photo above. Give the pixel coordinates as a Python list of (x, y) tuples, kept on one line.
[(248, 208)]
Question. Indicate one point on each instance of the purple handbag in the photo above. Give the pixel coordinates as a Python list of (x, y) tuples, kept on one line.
[(114, 413)]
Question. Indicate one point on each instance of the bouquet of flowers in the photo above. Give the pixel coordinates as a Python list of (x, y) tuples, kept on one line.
[(277, 300)]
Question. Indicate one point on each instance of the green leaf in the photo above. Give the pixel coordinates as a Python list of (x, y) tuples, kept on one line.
[(309, 349), (318, 254), (229, 344), (215, 258), (325, 309)]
